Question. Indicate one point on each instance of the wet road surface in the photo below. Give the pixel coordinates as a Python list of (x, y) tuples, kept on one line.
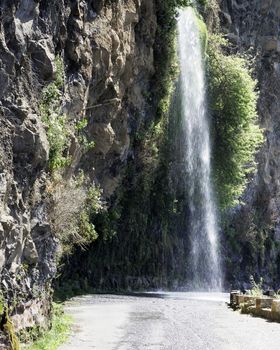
[(175, 321)]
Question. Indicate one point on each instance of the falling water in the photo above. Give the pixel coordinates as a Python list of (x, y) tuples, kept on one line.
[(204, 260)]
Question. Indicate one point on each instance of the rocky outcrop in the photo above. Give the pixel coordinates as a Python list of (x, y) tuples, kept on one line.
[(252, 240), (107, 53), (27, 251)]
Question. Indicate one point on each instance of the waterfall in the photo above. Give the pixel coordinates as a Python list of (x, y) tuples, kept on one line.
[(204, 261)]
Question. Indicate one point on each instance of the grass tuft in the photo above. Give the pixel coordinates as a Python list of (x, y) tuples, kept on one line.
[(57, 335)]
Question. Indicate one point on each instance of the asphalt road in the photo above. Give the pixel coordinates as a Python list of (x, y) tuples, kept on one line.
[(175, 321)]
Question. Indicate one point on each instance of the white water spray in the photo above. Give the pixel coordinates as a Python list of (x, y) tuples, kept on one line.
[(204, 260)]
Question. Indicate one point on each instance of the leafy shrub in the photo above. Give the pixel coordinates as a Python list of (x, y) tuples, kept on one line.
[(93, 205), (82, 138), (58, 140), (256, 288), (58, 127), (71, 219), (50, 108), (236, 135)]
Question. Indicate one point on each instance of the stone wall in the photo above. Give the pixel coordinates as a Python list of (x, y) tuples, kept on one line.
[(259, 305)]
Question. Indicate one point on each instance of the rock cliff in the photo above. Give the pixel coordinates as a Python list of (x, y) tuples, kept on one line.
[(150, 209), (106, 50), (252, 237), (116, 58)]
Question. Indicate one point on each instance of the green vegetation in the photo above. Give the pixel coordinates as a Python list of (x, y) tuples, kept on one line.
[(8, 328), (165, 56), (58, 127), (2, 304), (50, 108), (203, 33), (236, 135), (6, 325), (57, 335), (82, 138), (165, 51), (256, 288), (93, 205), (71, 220)]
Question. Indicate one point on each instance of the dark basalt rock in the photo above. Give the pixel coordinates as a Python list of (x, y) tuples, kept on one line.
[(106, 70)]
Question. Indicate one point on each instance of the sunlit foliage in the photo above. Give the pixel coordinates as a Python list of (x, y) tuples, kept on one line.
[(236, 134)]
